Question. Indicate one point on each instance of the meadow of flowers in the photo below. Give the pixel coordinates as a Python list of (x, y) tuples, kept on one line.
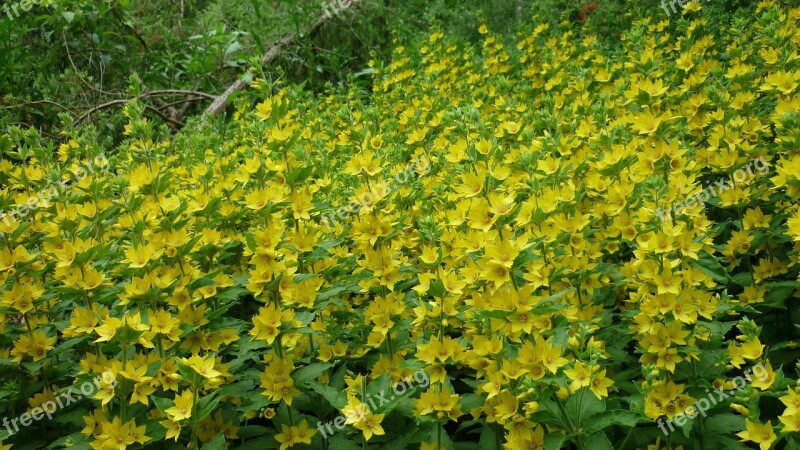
[(526, 273)]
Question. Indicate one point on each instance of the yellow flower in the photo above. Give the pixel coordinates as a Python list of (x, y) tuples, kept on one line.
[(646, 123), (202, 365), (35, 345), (767, 378), (117, 434), (19, 298), (140, 393), (791, 422), (600, 384), (580, 374), (444, 403), (138, 257), (264, 109), (758, 433), (792, 402), (370, 425), (173, 429), (267, 323), (182, 408), (483, 146), (91, 278)]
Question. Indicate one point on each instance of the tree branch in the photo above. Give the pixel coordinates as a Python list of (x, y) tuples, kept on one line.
[(176, 92), (221, 102), (97, 108), (170, 118)]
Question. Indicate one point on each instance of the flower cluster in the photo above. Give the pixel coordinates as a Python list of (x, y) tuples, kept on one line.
[(528, 274)]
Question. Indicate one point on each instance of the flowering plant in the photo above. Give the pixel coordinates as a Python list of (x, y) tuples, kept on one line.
[(525, 270)]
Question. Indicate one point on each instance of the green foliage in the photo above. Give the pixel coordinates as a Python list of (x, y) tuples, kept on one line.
[(65, 58)]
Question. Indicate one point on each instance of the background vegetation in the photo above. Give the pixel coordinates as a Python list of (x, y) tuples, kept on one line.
[(65, 60)]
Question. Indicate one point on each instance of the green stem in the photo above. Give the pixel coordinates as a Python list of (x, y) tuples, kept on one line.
[(364, 399), (438, 433), (194, 418), (572, 429), (123, 400), (160, 348), (389, 345)]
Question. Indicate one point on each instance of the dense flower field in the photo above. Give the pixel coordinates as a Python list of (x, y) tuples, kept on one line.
[(551, 245)]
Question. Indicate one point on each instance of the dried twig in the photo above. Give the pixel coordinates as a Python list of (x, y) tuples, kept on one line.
[(19, 103), (100, 107), (146, 94), (176, 92), (221, 102)]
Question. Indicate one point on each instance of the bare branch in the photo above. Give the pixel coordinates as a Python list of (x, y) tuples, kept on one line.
[(221, 102), (97, 108), (177, 92), (20, 103)]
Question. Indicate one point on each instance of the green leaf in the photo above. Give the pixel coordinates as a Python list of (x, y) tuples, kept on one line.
[(717, 328), (555, 296), (68, 16), (470, 401), (554, 441), (254, 402), (343, 443), (743, 279), (436, 288), (218, 443), (467, 446), (234, 47), (548, 415), (711, 267), (310, 372), (346, 288), (161, 403), (68, 344), (687, 427), (493, 314), (200, 282), (603, 420), (488, 437), (727, 443), (781, 284), (206, 405), (251, 431), (335, 397), (402, 399), (77, 441), (299, 174), (582, 405), (381, 385), (777, 297), (403, 442), (262, 443), (598, 441), (725, 423)]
